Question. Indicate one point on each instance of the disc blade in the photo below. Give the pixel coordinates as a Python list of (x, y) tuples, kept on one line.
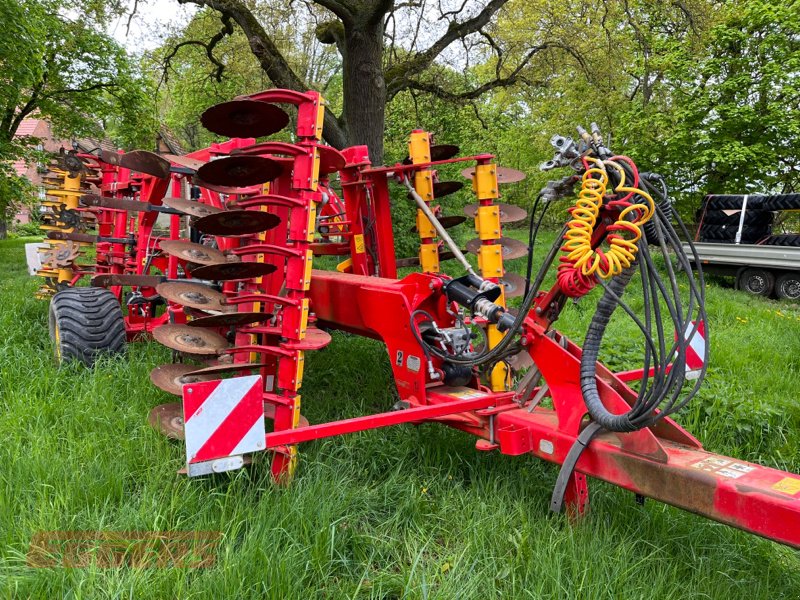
[(140, 161), (508, 212), (240, 171), (445, 188), (228, 368), (244, 118), (193, 295), (167, 419), (504, 174), (330, 160), (413, 261), (227, 189), (191, 207), (230, 319), (447, 222), (171, 378), (193, 340), (196, 253), (514, 285), (510, 247), (438, 152), (185, 161), (237, 222), (232, 271)]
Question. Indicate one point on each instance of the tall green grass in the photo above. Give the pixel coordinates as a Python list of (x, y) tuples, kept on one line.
[(410, 511)]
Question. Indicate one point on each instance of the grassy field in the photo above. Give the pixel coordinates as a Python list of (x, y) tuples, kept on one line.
[(402, 512)]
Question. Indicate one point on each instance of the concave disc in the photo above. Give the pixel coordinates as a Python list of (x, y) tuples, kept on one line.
[(196, 253), (447, 222), (193, 295), (508, 212), (227, 189), (413, 261), (193, 340), (244, 118), (438, 152), (504, 174), (230, 319), (228, 368), (240, 171), (514, 285), (171, 378), (185, 161), (445, 188), (142, 161), (232, 271), (191, 207), (167, 419), (237, 222), (511, 248), (330, 160)]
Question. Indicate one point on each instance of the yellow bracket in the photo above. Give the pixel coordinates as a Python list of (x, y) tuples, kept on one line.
[(320, 118), (419, 147), (487, 222), (303, 319), (424, 226), (484, 182), (309, 258), (490, 260), (423, 183), (429, 258)]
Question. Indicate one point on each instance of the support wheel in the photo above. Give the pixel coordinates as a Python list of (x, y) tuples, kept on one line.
[(787, 287), (758, 282), (84, 323)]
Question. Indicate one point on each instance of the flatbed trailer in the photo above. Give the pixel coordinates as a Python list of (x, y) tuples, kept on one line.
[(758, 269)]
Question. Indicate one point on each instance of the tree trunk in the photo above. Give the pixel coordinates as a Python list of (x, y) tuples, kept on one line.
[(364, 87), (3, 229)]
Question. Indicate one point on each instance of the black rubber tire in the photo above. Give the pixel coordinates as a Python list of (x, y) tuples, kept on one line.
[(787, 286), (758, 282), (724, 233), (733, 202), (86, 322), (782, 202), (783, 240), (751, 218), (650, 228)]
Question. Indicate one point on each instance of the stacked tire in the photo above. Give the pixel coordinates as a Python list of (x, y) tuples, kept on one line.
[(721, 216)]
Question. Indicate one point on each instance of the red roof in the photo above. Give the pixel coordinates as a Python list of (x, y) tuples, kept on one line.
[(27, 127)]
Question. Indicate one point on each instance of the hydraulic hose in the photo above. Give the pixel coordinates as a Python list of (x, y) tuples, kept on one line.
[(591, 350)]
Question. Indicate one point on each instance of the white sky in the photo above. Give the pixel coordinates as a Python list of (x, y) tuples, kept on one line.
[(154, 20)]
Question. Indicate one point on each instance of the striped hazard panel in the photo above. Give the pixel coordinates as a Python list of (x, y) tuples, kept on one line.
[(223, 420)]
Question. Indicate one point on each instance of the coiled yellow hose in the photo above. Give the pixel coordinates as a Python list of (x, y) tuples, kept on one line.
[(624, 233)]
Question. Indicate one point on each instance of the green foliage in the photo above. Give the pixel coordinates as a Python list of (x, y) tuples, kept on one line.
[(400, 512)]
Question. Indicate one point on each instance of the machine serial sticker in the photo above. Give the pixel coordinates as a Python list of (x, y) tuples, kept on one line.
[(787, 485), (359, 240), (725, 468), (413, 363)]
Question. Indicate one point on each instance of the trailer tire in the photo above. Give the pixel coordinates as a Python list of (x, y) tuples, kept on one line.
[(787, 286), (727, 233), (751, 218), (733, 202), (86, 322), (783, 240), (758, 282), (782, 202)]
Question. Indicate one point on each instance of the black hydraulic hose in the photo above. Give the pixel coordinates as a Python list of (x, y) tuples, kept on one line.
[(591, 350)]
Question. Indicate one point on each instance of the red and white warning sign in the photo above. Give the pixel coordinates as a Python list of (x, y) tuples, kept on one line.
[(223, 419), (696, 350)]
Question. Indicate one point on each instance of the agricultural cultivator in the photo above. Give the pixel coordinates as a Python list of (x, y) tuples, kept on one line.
[(236, 297)]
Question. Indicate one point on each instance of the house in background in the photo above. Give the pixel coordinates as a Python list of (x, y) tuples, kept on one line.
[(166, 143)]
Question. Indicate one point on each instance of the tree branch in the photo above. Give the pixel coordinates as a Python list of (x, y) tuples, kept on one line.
[(270, 58), (399, 75), (227, 29)]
